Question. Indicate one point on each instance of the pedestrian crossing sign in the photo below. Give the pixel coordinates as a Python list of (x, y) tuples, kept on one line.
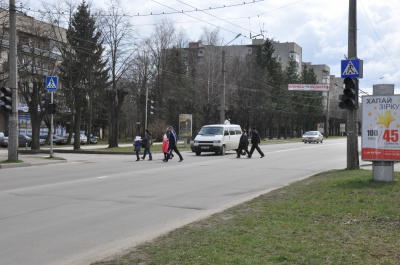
[(51, 82), (351, 68)]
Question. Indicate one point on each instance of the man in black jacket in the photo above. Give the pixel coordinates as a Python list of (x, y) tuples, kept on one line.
[(255, 140), (173, 141), (243, 144)]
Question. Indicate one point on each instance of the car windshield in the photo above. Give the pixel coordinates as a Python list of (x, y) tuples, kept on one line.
[(211, 131), (311, 133)]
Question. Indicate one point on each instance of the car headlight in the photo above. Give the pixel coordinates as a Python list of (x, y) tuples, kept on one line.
[(196, 141), (217, 141)]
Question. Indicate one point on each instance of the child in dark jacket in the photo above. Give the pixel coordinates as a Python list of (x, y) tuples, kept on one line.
[(137, 144)]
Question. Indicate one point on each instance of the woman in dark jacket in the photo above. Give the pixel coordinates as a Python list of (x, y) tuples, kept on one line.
[(243, 144), (147, 145)]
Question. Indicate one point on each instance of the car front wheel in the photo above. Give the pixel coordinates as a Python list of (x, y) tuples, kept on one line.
[(223, 150)]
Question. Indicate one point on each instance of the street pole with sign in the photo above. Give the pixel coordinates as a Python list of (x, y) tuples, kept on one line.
[(51, 85)]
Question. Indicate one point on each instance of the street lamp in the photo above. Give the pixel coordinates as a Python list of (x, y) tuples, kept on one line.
[(222, 110)]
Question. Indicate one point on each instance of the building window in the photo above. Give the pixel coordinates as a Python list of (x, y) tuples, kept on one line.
[(295, 56)]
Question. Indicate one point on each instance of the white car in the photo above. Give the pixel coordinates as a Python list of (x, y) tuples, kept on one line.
[(217, 138), (82, 138), (3, 140), (312, 137)]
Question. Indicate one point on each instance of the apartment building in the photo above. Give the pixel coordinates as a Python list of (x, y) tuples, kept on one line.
[(38, 54)]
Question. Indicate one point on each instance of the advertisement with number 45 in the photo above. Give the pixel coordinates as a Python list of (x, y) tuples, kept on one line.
[(380, 128)]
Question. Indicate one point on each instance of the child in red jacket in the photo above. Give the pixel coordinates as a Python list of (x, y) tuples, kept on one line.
[(165, 147)]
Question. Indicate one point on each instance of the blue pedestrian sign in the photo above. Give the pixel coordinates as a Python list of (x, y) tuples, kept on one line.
[(351, 68), (51, 83)]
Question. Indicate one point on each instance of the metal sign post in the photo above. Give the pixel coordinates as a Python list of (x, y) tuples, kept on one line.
[(51, 85)]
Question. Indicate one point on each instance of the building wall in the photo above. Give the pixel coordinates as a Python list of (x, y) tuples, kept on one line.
[(286, 50), (37, 53), (283, 51)]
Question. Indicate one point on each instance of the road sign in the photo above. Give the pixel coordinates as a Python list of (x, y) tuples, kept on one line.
[(351, 68), (51, 82)]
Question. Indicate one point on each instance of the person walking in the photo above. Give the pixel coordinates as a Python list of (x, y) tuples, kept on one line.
[(255, 140), (147, 145), (137, 143), (165, 148), (171, 155), (173, 141), (243, 144)]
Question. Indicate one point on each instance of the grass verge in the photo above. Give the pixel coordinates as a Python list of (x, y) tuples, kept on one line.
[(336, 217)]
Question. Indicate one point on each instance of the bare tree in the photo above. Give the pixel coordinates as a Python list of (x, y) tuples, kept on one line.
[(209, 76), (37, 59), (117, 33)]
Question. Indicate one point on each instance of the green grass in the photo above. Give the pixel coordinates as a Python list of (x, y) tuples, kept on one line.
[(337, 217)]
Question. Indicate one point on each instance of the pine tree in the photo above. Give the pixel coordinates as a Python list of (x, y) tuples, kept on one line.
[(83, 70)]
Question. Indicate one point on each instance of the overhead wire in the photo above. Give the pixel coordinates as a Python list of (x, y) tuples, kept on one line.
[(379, 39), (175, 11), (215, 16), (195, 17)]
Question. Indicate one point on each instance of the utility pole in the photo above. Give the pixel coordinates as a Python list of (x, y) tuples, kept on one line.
[(352, 117), (223, 88), (13, 116), (222, 107)]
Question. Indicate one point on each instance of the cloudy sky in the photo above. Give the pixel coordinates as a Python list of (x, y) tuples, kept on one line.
[(320, 27)]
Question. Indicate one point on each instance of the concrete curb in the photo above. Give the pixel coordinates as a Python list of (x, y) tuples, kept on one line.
[(12, 165)]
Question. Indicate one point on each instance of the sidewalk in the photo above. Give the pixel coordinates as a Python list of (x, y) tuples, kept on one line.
[(28, 160)]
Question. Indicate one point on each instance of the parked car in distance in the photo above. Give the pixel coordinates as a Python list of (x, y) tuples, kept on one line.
[(42, 139), (82, 138), (3, 140), (58, 140), (312, 137), (93, 140), (24, 140)]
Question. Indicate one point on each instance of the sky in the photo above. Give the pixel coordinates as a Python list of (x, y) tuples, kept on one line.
[(320, 27)]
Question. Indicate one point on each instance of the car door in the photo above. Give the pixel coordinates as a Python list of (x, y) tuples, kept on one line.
[(21, 140)]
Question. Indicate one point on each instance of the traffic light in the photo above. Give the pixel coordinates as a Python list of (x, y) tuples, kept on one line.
[(6, 98), (349, 98), (46, 101), (51, 109), (150, 107)]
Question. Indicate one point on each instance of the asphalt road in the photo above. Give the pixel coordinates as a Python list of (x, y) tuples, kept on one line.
[(94, 206)]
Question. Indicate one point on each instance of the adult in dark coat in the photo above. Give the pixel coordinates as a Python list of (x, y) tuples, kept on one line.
[(173, 141), (243, 144), (147, 145), (255, 140)]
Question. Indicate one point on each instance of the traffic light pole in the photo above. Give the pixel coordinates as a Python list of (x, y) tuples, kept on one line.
[(13, 116), (352, 117), (147, 102), (51, 127)]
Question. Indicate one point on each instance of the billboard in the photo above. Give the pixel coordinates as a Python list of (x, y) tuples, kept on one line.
[(311, 87), (185, 125), (380, 128)]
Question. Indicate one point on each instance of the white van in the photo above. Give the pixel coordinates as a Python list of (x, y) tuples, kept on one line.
[(217, 138)]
